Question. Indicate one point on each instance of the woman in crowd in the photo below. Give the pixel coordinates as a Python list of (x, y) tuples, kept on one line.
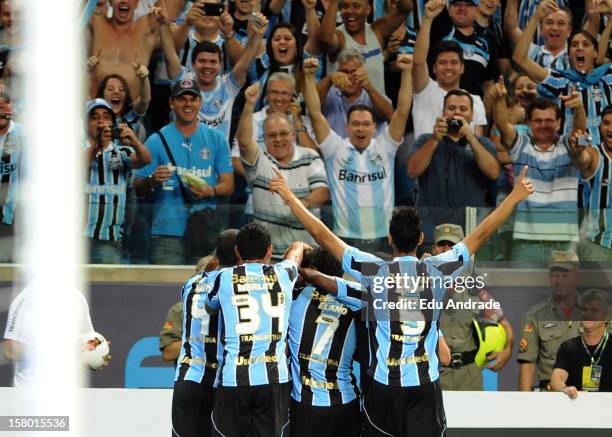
[(115, 90)]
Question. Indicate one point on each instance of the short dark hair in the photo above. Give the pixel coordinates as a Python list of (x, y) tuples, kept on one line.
[(542, 104), (360, 107), (208, 47), (226, 242), (460, 93), (444, 47), (405, 228), (253, 241), (587, 35), (322, 261)]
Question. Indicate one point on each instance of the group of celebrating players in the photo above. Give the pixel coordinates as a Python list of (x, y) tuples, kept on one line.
[(235, 374)]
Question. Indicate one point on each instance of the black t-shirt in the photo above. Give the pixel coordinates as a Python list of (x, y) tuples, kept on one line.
[(572, 357), (479, 52)]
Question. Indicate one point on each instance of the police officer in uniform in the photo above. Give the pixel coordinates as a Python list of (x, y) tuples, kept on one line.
[(170, 337), (457, 325), (550, 322)]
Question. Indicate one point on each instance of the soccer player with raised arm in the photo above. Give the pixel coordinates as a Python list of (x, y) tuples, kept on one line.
[(254, 299), (404, 398)]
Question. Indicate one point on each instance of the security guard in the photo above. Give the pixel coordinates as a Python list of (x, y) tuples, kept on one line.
[(171, 333), (457, 325), (550, 322)]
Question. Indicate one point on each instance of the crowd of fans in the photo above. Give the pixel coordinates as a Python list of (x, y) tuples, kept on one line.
[(361, 106)]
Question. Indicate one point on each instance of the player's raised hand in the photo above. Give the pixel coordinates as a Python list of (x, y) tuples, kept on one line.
[(523, 187), (278, 184)]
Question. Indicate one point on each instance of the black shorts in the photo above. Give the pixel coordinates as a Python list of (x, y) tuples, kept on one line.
[(258, 411), (338, 420), (404, 411), (192, 404)]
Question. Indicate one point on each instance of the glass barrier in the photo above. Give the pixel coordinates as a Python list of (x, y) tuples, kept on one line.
[(175, 235)]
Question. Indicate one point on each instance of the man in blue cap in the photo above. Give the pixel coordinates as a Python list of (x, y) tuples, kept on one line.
[(190, 168)]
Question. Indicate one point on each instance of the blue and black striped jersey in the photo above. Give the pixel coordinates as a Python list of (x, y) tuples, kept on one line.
[(402, 328), (255, 301), (198, 359), (595, 88), (322, 341), (108, 181)]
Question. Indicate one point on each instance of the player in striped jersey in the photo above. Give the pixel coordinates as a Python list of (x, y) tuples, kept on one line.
[(597, 199), (198, 364), (360, 167), (404, 397), (593, 83), (11, 145), (254, 299), (111, 155), (322, 342)]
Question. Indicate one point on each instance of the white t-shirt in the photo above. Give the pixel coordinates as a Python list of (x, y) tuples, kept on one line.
[(429, 105), (20, 326)]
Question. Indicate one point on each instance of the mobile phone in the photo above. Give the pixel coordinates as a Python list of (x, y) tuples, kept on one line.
[(213, 9)]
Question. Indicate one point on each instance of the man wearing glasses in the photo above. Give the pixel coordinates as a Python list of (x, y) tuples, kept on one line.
[(302, 168)]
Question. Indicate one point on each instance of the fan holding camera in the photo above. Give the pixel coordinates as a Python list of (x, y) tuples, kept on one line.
[(556, 163), (112, 152), (453, 165)]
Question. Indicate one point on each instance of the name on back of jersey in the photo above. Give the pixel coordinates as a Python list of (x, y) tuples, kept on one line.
[(254, 282), (328, 303)]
